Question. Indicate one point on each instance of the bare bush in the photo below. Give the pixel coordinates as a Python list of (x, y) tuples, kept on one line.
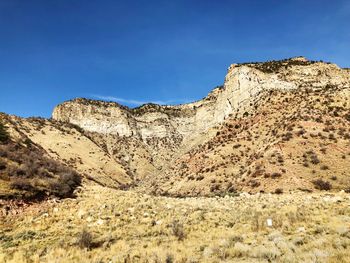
[(85, 240), (177, 229), (322, 185)]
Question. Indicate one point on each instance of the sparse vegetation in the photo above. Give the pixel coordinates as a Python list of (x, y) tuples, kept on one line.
[(274, 66)]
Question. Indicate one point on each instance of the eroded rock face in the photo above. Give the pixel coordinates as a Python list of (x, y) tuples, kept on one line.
[(242, 86)]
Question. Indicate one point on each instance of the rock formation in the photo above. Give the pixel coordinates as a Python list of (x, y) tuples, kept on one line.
[(242, 86)]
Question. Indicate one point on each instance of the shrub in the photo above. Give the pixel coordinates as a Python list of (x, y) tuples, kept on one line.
[(230, 188), (85, 240), (169, 258), (301, 132), (2, 165), (280, 159), (279, 191), (347, 117), (214, 187), (276, 175), (4, 136), (331, 136), (177, 229), (322, 185), (324, 167), (287, 136), (254, 183), (199, 177), (314, 159)]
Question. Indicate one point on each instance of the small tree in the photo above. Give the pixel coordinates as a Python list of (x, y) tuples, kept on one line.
[(4, 136)]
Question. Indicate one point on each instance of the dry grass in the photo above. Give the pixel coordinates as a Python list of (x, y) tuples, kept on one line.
[(104, 225)]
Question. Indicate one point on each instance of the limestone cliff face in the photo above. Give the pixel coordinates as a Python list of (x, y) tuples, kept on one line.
[(242, 86)]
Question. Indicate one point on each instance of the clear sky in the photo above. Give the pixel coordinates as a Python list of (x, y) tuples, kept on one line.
[(152, 51)]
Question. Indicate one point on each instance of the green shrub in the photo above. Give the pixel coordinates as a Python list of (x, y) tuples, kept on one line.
[(4, 136)]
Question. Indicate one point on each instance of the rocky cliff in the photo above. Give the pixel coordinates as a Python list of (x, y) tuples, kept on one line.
[(242, 86)]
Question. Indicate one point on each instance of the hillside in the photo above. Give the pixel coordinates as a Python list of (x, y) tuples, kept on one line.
[(293, 140), (27, 172), (67, 144), (257, 171), (255, 133)]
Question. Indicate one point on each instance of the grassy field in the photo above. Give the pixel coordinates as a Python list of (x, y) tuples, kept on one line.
[(106, 225)]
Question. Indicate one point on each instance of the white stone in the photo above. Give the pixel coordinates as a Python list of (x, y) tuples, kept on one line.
[(269, 222), (301, 229)]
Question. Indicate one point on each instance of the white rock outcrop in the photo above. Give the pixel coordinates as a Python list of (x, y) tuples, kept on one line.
[(242, 86)]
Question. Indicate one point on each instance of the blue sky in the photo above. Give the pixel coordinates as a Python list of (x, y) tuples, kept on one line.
[(152, 51)]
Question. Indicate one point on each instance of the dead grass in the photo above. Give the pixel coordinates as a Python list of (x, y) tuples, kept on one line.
[(130, 227)]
